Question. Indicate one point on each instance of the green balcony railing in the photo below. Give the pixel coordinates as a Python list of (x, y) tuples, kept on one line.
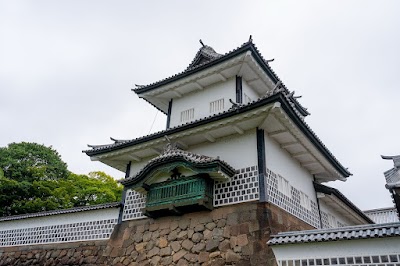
[(179, 196)]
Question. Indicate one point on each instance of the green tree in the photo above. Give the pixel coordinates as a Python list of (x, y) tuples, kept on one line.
[(27, 161), (33, 178)]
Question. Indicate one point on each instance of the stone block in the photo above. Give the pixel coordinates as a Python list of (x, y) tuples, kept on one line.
[(197, 237), (191, 257), (214, 254), (154, 251), (207, 234), (244, 228), (231, 256), (165, 251), (177, 256), (172, 236), (232, 218), (221, 223), (198, 247), (242, 240), (227, 231), (153, 227), (165, 231), (187, 244), (212, 245), (173, 225), (155, 235), (210, 226), (182, 235), (146, 236), (217, 232), (184, 224), (138, 237), (166, 260), (150, 245), (162, 242), (155, 260), (233, 241), (204, 257), (140, 247), (224, 245), (176, 245), (199, 228), (182, 262)]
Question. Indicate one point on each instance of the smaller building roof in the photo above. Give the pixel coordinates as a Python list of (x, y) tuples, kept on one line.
[(337, 234), (63, 211), (172, 155), (333, 191)]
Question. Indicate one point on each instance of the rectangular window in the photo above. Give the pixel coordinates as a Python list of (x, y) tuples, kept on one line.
[(305, 201), (284, 186), (217, 106), (187, 115)]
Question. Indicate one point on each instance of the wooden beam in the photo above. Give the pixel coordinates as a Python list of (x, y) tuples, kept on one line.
[(177, 94), (298, 154), (221, 77), (158, 151), (278, 132), (134, 157), (238, 130), (182, 145), (253, 81), (198, 85), (209, 137), (308, 163), (288, 144)]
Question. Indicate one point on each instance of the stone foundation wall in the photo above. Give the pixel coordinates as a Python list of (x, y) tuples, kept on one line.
[(231, 235)]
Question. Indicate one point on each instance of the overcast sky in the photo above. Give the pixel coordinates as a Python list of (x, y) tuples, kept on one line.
[(67, 69)]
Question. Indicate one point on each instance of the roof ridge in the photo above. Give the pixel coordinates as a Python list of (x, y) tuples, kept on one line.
[(60, 211)]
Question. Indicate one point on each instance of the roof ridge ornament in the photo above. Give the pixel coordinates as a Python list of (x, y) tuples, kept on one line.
[(201, 42), (170, 146)]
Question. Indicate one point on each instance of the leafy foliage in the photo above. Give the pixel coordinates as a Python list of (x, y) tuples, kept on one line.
[(31, 161), (33, 178)]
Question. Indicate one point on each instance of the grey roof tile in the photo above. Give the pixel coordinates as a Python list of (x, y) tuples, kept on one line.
[(335, 234), (174, 153), (63, 211)]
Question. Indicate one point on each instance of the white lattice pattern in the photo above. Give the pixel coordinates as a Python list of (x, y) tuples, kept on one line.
[(325, 220), (383, 216), (242, 187), (91, 230), (134, 203), (376, 260), (291, 203)]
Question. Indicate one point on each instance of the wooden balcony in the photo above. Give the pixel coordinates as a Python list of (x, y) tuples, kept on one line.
[(179, 196)]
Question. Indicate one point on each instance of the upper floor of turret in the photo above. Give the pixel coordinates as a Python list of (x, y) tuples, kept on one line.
[(213, 83)]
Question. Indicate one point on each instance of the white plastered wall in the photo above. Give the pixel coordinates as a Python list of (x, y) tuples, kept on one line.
[(329, 210), (334, 249), (280, 162), (246, 89), (239, 151), (137, 166), (58, 219), (200, 101)]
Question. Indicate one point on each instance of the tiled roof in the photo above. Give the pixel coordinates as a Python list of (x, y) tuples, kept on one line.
[(64, 211), (392, 176), (206, 53), (277, 95), (337, 234), (173, 153), (330, 190)]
